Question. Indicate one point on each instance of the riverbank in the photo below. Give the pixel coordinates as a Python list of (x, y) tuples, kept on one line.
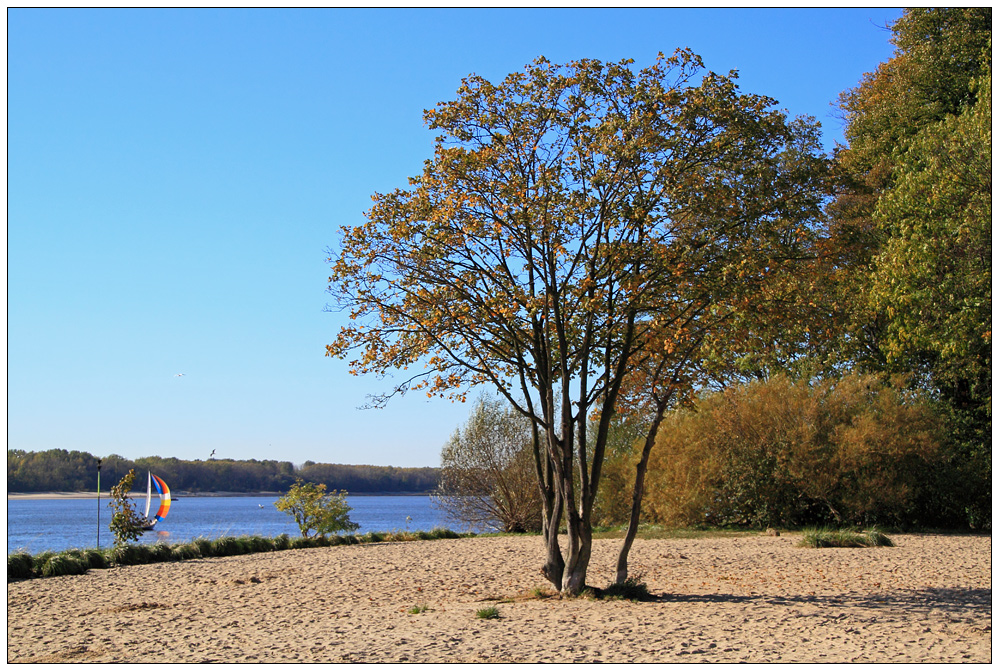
[(743, 599)]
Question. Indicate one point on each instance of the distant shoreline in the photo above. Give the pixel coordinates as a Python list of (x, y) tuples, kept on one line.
[(182, 494)]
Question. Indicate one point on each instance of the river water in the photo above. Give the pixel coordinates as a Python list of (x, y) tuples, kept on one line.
[(38, 525)]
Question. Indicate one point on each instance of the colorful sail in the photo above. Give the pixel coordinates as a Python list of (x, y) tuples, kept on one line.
[(164, 492)]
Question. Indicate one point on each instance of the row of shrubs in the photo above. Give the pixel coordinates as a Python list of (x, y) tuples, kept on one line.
[(23, 565), (790, 453)]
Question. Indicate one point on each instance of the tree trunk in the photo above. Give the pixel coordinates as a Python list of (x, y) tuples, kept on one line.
[(621, 573)]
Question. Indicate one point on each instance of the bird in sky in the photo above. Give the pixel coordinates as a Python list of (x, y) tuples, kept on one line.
[(210, 456)]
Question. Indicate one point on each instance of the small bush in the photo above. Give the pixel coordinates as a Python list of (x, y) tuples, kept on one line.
[(20, 566), (633, 589), (185, 552), (205, 547), (372, 537), (38, 561), (443, 533), (827, 538), (64, 564), (225, 547), (259, 544), (132, 554), (160, 552), (418, 609), (282, 542), (488, 613), (95, 559), (303, 542)]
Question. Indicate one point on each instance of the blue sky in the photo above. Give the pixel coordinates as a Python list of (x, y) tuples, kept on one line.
[(176, 176)]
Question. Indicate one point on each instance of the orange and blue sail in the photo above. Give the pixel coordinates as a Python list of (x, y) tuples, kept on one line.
[(164, 492)]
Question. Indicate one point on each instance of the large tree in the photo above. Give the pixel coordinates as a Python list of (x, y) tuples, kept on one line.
[(913, 224), (577, 224)]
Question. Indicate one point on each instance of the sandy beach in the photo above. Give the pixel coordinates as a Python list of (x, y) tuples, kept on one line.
[(744, 599)]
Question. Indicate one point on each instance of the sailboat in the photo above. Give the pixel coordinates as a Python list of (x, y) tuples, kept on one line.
[(164, 492)]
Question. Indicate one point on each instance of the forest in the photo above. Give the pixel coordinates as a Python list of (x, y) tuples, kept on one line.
[(59, 470)]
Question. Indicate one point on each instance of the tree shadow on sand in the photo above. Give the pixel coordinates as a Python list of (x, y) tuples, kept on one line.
[(955, 600)]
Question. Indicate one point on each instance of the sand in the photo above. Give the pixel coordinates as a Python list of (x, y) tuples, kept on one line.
[(742, 599)]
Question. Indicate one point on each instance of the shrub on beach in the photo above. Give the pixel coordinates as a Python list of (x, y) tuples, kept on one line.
[(827, 538), (204, 547), (160, 552), (64, 564), (38, 561), (23, 565), (259, 544), (132, 554), (20, 566), (302, 542), (185, 552), (225, 546), (632, 589), (95, 558), (854, 451)]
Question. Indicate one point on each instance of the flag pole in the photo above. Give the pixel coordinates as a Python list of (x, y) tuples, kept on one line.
[(98, 503)]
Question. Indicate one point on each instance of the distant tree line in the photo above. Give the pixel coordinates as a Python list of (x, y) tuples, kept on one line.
[(59, 470)]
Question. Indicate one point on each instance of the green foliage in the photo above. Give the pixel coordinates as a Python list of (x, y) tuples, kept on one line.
[(189, 551), (19, 566), (632, 589), (226, 546), (259, 544), (204, 546), (911, 230), (94, 558), (779, 454), (22, 565), (132, 554), (38, 561), (160, 552), (488, 613), (835, 538), (316, 512), (126, 524), (64, 564), (418, 609)]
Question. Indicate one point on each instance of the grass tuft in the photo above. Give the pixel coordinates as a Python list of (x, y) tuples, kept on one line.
[(827, 538), (418, 609), (633, 589), (488, 613)]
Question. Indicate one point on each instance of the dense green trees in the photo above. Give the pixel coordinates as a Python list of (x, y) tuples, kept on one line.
[(912, 227), (59, 470)]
